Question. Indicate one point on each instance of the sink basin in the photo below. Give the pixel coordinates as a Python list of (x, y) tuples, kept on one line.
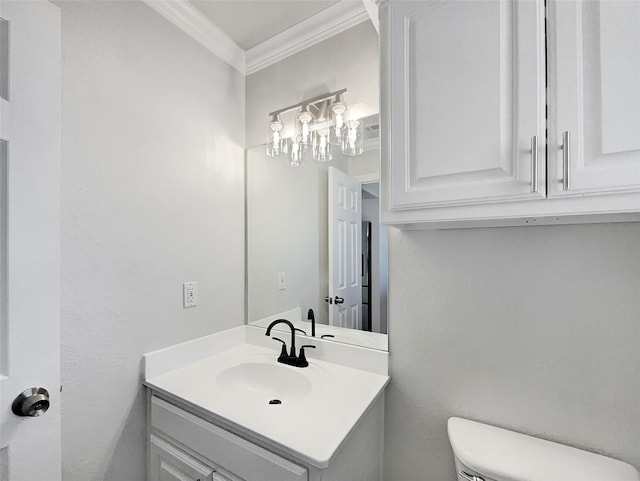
[(263, 380)]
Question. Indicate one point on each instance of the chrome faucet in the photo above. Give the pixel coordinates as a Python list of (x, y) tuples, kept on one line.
[(291, 359)]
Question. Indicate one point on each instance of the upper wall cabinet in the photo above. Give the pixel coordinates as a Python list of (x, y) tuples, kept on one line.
[(464, 111), (594, 117)]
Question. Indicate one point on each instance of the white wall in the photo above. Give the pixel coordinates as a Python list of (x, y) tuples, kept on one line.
[(287, 231), (534, 329), (152, 195)]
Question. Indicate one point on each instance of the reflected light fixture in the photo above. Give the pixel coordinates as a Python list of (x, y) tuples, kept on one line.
[(338, 130), (322, 150), (303, 127), (296, 150), (321, 124), (276, 143), (352, 143)]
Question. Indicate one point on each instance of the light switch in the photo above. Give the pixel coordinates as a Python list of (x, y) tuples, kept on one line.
[(189, 294), (282, 281)]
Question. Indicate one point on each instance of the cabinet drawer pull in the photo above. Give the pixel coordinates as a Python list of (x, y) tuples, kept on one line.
[(566, 158), (534, 165)]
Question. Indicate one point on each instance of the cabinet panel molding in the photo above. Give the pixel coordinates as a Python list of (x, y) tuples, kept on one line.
[(169, 463), (466, 89), (233, 453), (594, 50), (482, 67)]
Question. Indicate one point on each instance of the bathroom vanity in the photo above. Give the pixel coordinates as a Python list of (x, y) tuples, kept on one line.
[(221, 408)]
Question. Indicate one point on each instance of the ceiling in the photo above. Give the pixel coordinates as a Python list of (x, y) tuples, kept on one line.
[(251, 22)]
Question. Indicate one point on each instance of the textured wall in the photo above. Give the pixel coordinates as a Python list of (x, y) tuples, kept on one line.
[(152, 195), (287, 231), (534, 329)]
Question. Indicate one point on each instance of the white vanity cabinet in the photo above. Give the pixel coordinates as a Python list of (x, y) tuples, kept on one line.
[(185, 445), (169, 463), (464, 123)]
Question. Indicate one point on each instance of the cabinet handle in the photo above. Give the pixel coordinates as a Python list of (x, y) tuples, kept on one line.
[(566, 158), (534, 165)]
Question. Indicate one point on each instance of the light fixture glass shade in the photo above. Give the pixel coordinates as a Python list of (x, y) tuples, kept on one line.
[(338, 130), (353, 141), (303, 128), (322, 149), (295, 151), (276, 143)]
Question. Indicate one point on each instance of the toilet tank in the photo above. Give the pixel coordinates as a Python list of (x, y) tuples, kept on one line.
[(489, 453)]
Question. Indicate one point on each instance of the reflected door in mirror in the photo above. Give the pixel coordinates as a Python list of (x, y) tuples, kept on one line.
[(345, 250)]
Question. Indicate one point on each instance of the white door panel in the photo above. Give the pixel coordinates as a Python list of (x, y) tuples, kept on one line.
[(345, 250), (30, 235), (467, 99), (595, 74)]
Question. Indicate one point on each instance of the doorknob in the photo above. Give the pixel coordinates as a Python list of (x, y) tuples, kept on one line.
[(339, 300), (33, 402), (328, 299)]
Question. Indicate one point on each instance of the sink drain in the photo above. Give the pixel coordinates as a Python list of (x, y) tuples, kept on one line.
[(275, 401)]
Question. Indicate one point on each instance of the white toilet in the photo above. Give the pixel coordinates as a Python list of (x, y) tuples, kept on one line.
[(488, 453)]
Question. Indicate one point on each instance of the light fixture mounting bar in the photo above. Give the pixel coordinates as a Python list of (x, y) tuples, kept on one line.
[(310, 101)]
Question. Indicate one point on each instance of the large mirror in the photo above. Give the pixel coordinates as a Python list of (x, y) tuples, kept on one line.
[(314, 241)]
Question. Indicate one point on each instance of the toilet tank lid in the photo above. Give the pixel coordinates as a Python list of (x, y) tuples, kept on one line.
[(501, 454)]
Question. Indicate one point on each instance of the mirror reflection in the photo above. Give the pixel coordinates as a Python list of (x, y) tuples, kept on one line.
[(315, 248)]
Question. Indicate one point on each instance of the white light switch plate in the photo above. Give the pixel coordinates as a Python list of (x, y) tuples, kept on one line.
[(282, 281), (189, 294)]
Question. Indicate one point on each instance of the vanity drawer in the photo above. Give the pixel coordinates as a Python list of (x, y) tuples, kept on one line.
[(231, 452)]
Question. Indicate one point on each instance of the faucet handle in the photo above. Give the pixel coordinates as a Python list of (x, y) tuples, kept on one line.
[(302, 359), (283, 352)]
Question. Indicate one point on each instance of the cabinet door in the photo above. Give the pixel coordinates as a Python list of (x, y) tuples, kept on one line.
[(169, 463), (595, 96), (466, 83), (233, 457)]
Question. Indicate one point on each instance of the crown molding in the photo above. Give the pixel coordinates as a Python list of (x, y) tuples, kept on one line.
[(321, 26), (327, 23), (372, 11), (184, 15)]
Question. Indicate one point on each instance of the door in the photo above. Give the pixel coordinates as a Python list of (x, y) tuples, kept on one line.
[(594, 107), (466, 83), (345, 250), (29, 239)]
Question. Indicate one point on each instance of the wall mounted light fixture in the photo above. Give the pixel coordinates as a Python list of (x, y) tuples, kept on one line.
[(321, 125)]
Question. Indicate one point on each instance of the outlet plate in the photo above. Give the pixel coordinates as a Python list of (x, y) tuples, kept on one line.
[(189, 294)]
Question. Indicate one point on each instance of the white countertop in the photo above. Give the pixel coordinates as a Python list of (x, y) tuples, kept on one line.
[(311, 428)]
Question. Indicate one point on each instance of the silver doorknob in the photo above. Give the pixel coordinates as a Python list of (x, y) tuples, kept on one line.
[(339, 300), (33, 402)]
